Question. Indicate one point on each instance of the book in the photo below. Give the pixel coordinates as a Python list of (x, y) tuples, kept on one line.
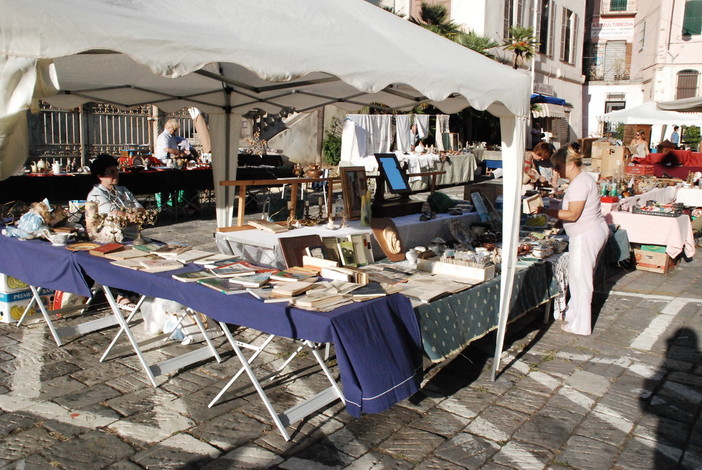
[(264, 294), (295, 274), (291, 289), (370, 290), (127, 253), (215, 258), (102, 250), (220, 262), (233, 269), (170, 251), (251, 280), (330, 250), (267, 226), (156, 265), (193, 276), (222, 286), (315, 251), (318, 263), (293, 248), (148, 247), (130, 263), (359, 249), (346, 253), (306, 301), (191, 255)]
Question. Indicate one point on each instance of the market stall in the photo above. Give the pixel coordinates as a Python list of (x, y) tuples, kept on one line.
[(197, 59)]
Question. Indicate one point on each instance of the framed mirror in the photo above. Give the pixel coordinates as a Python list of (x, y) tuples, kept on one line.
[(353, 186)]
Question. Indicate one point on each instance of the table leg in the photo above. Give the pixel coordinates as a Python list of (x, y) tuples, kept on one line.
[(295, 413), (37, 300), (124, 328)]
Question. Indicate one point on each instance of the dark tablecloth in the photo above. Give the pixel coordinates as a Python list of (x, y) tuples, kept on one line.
[(377, 342), (449, 324), (77, 186)]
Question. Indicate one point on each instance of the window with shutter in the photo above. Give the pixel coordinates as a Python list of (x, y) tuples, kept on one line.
[(692, 21), (687, 84)]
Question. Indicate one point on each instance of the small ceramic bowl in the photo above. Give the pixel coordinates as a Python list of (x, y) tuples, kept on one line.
[(58, 239)]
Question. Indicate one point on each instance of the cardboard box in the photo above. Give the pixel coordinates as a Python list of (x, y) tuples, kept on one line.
[(653, 261), (12, 305), (9, 284), (639, 170)]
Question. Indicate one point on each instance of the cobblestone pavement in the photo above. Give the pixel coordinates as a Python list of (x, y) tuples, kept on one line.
[(627, 397)]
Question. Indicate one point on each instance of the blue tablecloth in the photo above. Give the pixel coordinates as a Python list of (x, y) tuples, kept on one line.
[(40, 264), (377, 342)]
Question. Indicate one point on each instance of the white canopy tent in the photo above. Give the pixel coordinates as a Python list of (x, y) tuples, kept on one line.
[(685, 105), (227, 57), (648, 113)]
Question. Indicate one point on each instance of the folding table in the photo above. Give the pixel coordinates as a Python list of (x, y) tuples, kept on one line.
[(377, 342), (39, 264)]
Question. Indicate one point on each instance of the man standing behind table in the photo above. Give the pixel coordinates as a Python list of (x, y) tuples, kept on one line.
[(165, 149), (167, 142), (675, 136)]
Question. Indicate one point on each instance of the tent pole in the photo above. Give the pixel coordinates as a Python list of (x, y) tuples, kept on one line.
[(513, 148)]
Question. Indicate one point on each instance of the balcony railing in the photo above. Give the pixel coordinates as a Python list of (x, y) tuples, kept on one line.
[(600, 73)]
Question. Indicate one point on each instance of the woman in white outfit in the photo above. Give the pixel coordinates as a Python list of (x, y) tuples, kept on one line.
[(587, 232)]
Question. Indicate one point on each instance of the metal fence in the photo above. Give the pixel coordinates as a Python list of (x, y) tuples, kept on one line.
[(95, 128)]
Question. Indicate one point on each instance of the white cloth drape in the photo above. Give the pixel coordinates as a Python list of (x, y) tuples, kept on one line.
[(442, 127), (422, 122), (353, 141), (226, 129), (403, 138), (379, 131), (19, 78)]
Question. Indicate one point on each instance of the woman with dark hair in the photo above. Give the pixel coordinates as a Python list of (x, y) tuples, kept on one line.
[(587, 232), (110, 197)]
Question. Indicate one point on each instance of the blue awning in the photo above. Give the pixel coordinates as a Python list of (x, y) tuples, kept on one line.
[(537, 98)]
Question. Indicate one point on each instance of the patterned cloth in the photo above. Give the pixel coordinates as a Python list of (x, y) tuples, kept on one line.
[(449, 324)]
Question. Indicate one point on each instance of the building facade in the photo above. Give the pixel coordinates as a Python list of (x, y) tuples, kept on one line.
[(639, 51), (557, 66)]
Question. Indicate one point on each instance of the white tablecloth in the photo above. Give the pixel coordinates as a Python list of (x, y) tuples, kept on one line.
[(691, 197)]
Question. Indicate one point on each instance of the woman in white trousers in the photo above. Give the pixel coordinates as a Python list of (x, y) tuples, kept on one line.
[(587, 232)]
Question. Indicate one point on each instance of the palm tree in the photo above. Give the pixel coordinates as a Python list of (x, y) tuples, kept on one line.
[(476, 42), (435, 19), (521, 42)]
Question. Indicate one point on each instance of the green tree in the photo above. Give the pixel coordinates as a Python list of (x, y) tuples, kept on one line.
[(478, 43), (435, 18), (521, 42)]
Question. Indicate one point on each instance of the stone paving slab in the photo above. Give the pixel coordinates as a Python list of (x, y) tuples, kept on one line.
[(627, 397)]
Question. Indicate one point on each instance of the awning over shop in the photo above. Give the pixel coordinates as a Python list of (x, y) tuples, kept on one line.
[(538, 98), (548, 110)]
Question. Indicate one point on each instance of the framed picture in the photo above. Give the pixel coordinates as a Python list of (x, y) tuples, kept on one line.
[(353, 186)]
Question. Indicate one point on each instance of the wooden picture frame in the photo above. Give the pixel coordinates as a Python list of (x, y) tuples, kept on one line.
[(353, 186)]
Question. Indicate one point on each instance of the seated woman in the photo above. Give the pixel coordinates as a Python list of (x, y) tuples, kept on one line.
[(638, 147), (112, 199)]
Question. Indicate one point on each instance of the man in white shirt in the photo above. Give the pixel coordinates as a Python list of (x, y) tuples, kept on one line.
[(167, 142)]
